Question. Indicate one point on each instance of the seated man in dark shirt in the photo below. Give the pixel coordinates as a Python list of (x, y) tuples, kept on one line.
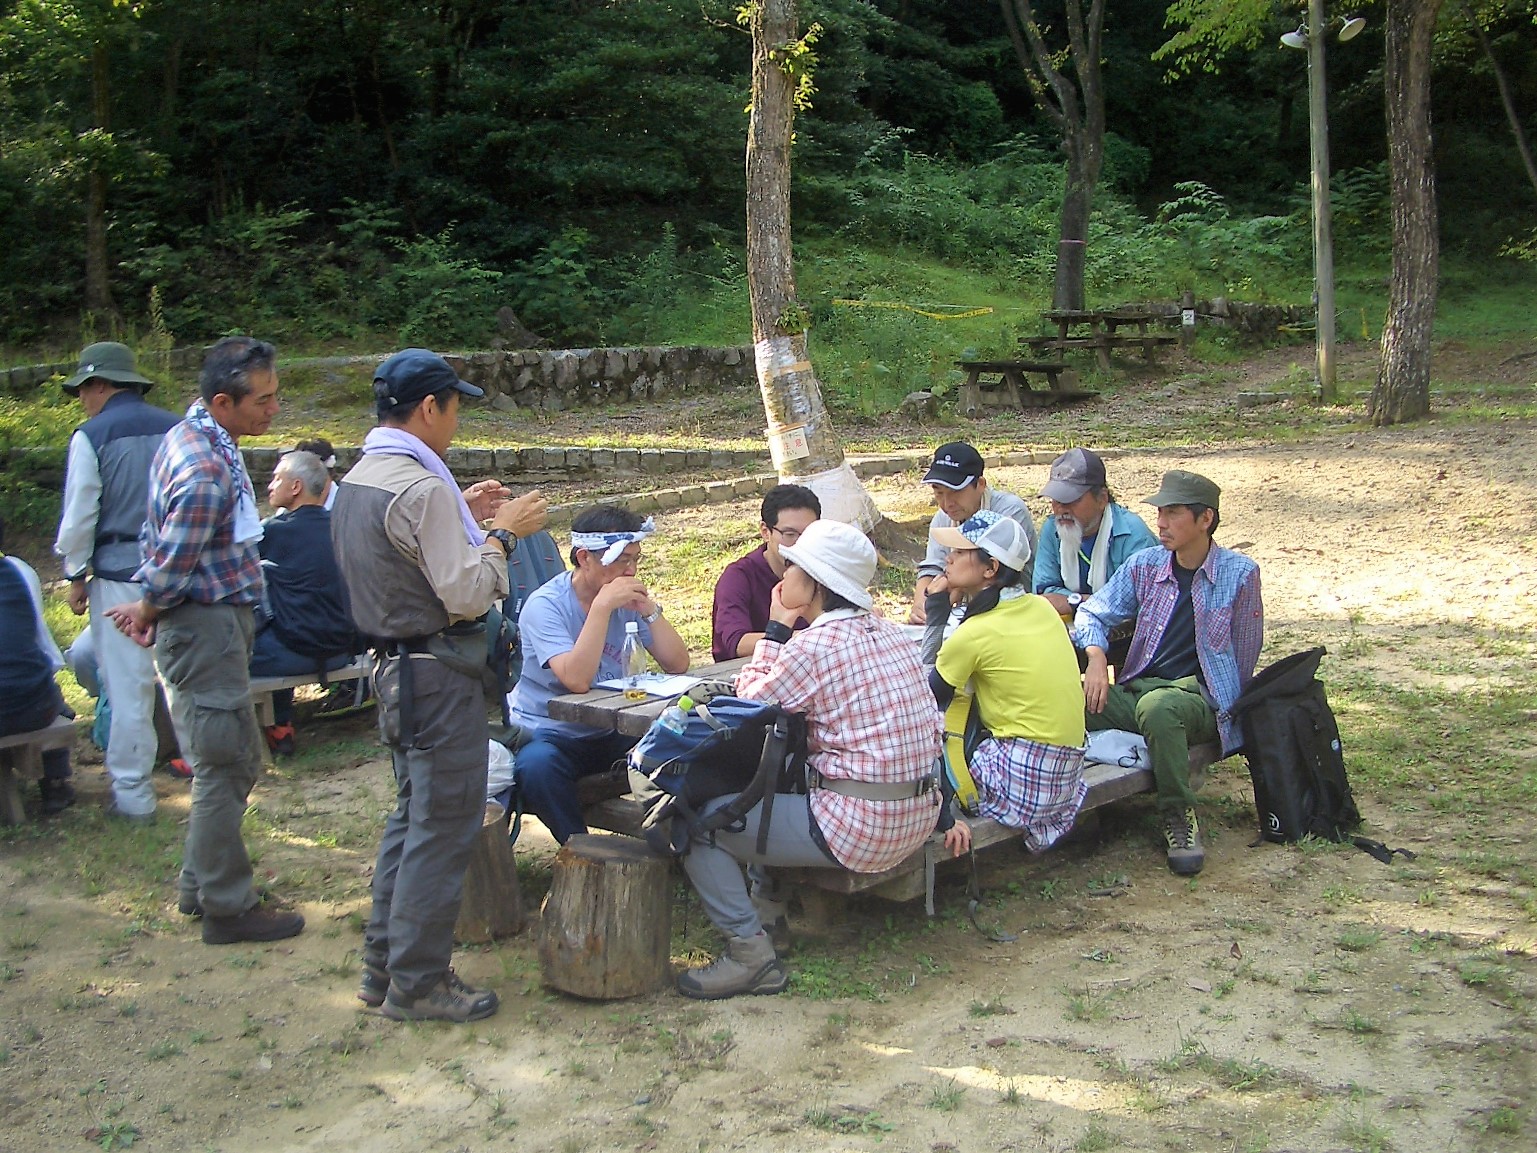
[(303, 625), (28, 660), (1200, 624), (742, 593)]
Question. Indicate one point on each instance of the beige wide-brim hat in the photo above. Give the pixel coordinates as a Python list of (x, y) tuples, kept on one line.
[(837, 556)]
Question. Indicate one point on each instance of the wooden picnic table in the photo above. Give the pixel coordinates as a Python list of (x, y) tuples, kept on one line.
[(609, 711), (1097, 329), (1010, 382)]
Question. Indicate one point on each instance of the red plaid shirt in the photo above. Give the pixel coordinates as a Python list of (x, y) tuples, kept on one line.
[(869, 717)]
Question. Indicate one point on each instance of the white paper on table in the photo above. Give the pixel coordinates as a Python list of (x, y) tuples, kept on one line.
[(654, 684)]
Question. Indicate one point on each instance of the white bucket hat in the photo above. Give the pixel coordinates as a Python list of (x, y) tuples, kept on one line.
[(1001, 538), (837, 556)]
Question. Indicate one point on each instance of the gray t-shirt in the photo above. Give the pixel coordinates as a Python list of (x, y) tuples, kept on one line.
[(996, 500)]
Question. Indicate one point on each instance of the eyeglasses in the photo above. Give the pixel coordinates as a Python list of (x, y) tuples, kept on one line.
[(788, 535)]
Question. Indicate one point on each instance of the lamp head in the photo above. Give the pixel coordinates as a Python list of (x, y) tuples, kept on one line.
[(1351, 28), (1295, 39)]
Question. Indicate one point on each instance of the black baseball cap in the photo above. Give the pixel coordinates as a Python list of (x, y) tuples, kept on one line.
[(414, 373), (956, 465)]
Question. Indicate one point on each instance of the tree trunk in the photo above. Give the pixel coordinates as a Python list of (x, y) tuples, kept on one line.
[(801, 436), (98, 284), (1076, 105), (1402, 391)]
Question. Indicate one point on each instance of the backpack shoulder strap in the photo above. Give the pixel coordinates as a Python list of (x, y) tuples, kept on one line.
[(956, 766)]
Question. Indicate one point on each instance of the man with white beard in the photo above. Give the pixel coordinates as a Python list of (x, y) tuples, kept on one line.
[(1087, 537)]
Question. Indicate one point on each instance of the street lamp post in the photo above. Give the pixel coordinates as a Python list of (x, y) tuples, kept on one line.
[(1323, 238)]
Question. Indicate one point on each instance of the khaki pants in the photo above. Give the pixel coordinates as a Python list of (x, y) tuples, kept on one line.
[(203, 653)]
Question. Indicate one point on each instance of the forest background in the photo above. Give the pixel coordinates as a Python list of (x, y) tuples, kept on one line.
[(360, 174)]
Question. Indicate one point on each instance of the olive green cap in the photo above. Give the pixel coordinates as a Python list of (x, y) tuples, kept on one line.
[(1181, 487)]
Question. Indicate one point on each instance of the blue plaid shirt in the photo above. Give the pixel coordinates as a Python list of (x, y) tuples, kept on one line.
[(189, 545), (1229, 622)]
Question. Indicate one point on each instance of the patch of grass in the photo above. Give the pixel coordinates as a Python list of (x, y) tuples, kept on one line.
[(1089, 1005), (945, 1097), (1363, 1134), (1096, 1138), (1357, 940), (847, 1120), (163, 1050), (1359, 1023), (1011, 1095), (991, 1007), (1506, 1119), (1229, 1072)]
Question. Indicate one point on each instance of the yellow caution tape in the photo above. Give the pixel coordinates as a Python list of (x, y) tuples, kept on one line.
[(902, 307)]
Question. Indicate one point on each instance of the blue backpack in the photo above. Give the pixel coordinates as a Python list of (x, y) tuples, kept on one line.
[(730, 747)]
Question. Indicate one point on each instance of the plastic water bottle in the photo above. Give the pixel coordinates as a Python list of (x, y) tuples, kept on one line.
[(632, 658), (674, 717)]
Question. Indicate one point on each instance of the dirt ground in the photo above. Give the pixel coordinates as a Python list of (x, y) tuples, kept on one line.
[(1287, 999)]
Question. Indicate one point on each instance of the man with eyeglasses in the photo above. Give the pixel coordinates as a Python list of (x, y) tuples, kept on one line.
[(744, 589), (201, 580)]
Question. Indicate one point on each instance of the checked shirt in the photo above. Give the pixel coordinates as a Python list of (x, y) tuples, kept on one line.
[(869, 717)]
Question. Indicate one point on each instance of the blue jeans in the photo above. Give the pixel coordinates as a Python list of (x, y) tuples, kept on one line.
[(270, 657), (548, 768)]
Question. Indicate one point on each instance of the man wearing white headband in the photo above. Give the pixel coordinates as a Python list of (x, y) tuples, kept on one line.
[(572, 629)]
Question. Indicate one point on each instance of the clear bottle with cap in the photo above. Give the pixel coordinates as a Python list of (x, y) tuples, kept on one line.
[(632, 659), (674, 717)]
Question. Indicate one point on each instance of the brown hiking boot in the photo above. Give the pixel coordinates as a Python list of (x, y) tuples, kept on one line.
[(263, 921), (449, 1000), (749, 965), (375, 985)]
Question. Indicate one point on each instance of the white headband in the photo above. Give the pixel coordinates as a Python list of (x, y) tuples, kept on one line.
[(611, 543)]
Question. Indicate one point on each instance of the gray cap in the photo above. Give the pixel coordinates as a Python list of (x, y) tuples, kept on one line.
[(1181, 487), (1074, 473)]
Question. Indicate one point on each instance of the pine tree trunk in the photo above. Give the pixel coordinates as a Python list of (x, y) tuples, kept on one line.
[(1402, 391), (804, 442), (98, 284)]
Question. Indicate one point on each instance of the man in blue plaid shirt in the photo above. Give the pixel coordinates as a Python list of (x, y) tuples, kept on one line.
[(1200, 625), (201, 579)]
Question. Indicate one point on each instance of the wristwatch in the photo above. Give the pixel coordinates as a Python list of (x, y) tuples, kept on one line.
[(1074, 600), (505, 537), (654, 615)]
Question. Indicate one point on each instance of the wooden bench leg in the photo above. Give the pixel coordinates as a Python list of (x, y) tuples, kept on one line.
[(18, 767), (971, 395)]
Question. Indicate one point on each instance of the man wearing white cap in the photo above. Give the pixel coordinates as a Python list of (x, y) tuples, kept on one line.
[(955, 476), (872, 735)]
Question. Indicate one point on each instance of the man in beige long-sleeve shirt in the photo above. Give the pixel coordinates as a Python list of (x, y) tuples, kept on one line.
[(419, 572)]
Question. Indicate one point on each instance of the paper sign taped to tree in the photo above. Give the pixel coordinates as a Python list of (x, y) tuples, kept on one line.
[(788, 444)]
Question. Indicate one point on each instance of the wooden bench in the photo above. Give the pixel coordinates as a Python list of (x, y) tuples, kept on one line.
[(1102, 344), (1010, 386), (262, 688), (606, 804), (21, 761)]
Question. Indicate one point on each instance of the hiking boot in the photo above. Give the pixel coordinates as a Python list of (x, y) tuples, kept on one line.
[(449, 1000), (188, 905), (58, 795), (342, 699), (280, 739), (775, 917), (1183, 833), (749, 965), (263, 921), (375, 985)]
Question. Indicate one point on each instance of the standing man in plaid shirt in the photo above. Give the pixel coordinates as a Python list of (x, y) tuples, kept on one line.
[(201, 579), (1200, 625)]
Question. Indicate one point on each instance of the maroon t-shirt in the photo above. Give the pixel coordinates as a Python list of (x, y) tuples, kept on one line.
[(742, 598)]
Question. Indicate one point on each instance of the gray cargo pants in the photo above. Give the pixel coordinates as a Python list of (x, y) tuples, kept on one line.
[(203, 653), (440, 801)]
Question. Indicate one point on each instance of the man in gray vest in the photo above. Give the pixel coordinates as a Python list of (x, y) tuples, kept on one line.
[(106, 493), (419, 572)]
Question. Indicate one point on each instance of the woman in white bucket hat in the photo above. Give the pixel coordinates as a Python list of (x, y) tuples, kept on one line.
[(1011, 651), (872, 736)]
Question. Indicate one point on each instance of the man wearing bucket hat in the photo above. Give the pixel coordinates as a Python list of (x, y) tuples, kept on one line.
[(1011, 650), (106, 493), (872, 735), (1200, 623), (1087, 537), (959, 488), (421, 575)]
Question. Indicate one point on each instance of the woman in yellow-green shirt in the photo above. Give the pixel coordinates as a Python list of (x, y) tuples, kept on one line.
[(1011, 650)]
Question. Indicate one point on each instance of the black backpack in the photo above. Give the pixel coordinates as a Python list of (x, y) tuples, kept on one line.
[(729, 747), (1296, 759)]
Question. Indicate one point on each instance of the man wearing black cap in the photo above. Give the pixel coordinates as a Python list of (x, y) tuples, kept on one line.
[(960, 490), (106, 492), (1200, 625), (420, 572), (1088, 537)]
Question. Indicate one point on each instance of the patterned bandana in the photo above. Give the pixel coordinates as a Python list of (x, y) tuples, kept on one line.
[(611, 544)]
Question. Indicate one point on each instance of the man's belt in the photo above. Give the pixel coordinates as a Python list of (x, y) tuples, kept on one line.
[(870, 790)]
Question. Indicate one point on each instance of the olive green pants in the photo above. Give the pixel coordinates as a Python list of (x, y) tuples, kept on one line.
[(1171, 716)]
